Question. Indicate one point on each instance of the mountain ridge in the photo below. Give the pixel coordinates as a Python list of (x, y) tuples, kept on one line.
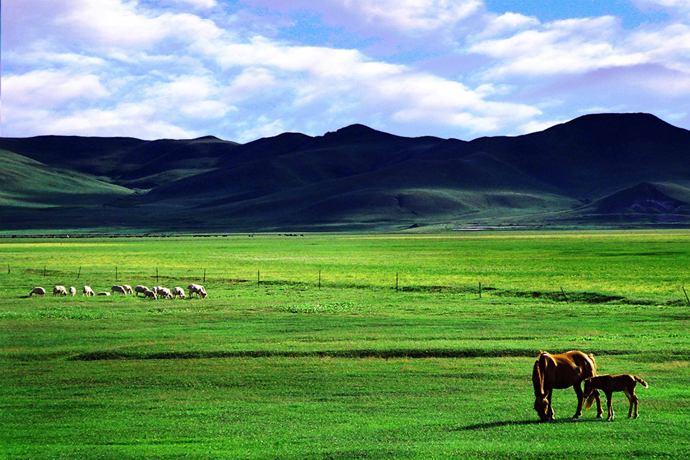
[(590, 171)]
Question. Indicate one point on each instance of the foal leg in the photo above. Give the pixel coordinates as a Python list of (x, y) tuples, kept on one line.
[(634, 400), (609, 404), (597, 398)]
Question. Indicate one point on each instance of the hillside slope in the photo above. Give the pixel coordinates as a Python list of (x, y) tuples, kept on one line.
[(29, 183)]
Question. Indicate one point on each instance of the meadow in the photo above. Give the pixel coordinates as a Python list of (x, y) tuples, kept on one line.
[(341, 346)]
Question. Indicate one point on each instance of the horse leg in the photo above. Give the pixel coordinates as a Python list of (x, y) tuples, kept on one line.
[(549, 411), (580, 400), (609, 404)]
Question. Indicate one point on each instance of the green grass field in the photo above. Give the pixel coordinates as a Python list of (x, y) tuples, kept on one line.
[(353, 368)]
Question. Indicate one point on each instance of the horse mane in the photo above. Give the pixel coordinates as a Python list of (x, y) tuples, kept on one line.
[(540, 366), (594, 364)]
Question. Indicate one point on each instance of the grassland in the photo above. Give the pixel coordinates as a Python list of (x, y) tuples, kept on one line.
[(353, 368)]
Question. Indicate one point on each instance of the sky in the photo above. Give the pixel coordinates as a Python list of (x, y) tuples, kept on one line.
[(245, 69)]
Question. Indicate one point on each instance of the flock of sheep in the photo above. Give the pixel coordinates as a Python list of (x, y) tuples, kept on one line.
[(157, 292)]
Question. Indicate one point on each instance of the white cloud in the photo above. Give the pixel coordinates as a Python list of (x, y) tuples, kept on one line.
[(125, 25), (414, 15), (505, 23), (569, 46), (197, 97), (262, 127), (334, 77), (136, 120), (251, 82), (50, 87), (536, 126), (199, 3)]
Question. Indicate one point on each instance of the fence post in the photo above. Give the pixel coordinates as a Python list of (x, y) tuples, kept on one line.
[(116, 273), (319, 279), (204, 276), (564, 296), (79, 272), (258, 278), (156, 275), (396, 281), (686, 296), (480, 289)]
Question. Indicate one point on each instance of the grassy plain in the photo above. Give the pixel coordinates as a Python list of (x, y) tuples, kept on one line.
[(351, 369)]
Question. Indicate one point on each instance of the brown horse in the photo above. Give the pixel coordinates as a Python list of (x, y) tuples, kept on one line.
[(560, 371)]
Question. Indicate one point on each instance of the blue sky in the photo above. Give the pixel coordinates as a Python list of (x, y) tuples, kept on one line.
[(245, 69)]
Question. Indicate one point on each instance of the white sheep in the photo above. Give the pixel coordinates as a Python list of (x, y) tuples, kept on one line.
[(59, 290), (196, 289), (149, 293), (37, 291), (178, 292), (128, 288), (103, 293), (72, 291), (87, 291), (119, 289), (140, 289), (163, 293)]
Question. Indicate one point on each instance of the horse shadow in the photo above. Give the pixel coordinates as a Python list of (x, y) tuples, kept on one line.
[(484, 426)]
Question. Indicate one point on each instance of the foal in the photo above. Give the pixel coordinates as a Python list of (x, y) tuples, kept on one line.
[(610, 383)]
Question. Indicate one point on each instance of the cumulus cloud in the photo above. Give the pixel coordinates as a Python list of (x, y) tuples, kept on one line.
[(47, 88), (199, 3), (407, 16), (506, 23), (126, 24), (414, 15), (568, 46)]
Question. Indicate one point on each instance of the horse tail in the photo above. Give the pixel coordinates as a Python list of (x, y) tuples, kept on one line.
[(644, 384), (592, 371), (590, 400)]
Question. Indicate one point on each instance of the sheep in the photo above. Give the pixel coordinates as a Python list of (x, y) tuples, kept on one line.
[(87, 291), (140, 289), (128, 288), (103, 293), (163, 293), (59, 290), (72, 291), (149, 293), (196, 289), (119, 289), (178, 292), (37, 291)]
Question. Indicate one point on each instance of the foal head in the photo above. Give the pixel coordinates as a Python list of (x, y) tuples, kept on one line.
[(590, 392)]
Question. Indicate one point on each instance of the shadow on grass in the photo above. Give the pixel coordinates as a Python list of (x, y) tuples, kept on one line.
[(483, 426)]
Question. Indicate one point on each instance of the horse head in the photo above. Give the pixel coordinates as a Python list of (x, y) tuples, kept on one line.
[(541, 405)]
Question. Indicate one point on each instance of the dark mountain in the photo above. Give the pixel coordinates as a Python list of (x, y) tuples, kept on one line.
[(606, 169), (124, 161)]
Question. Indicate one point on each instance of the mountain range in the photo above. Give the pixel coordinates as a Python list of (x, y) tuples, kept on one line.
[(603, 170)]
